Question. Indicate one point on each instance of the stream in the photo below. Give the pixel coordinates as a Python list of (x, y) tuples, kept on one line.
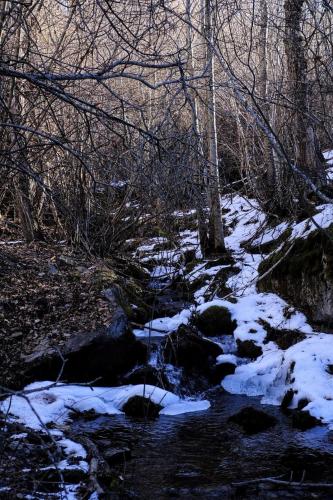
[(198, 455), (201, 455)]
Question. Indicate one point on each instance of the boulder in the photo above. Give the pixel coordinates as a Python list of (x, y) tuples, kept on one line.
[(100, 356), (248, 349), (214, 321), (303, 420), (90, 357), (132, 268), (139, 406), (252, 420), (220, 371), (147, 375), (304, 276), (187, 349)]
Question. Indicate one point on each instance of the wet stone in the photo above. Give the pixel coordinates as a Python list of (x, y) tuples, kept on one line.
[(116, 455), (138, 406), (220, 371), (252, 420), (303, 420), (248, 349)]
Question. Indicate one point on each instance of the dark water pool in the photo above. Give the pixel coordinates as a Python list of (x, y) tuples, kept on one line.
[(196, 455)]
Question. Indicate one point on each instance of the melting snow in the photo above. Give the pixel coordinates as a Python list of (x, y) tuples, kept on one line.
[(46, 405)]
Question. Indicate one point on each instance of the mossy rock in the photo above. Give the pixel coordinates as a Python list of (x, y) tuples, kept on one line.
[(136, 271), (248, 349), (116, 297), (311, 255), (304, 276), (104, 278), (139, 406), (214, 321)]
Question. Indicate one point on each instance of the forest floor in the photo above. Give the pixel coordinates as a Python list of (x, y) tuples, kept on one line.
[(48, 293)]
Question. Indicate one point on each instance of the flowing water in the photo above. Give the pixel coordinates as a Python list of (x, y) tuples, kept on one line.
[(197, 455)]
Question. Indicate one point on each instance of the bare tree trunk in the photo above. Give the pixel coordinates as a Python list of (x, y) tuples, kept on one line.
[(216, 236), (303, 131), (199, 177), (268, 158), (21, 182), (22, 194)]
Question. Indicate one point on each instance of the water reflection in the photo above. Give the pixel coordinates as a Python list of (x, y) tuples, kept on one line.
[(204, 450)]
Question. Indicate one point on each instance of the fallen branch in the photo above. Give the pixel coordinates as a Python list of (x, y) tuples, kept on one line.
[(97, 462), (281, 482)]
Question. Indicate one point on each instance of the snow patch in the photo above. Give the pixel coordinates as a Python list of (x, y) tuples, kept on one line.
[(53, 404), (163, 326)]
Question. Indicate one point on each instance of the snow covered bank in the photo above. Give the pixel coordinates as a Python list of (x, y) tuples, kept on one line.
[(53, 405), (306, 367), (251, 310)]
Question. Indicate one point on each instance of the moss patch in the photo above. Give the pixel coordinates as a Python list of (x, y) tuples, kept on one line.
[(104, 278)]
